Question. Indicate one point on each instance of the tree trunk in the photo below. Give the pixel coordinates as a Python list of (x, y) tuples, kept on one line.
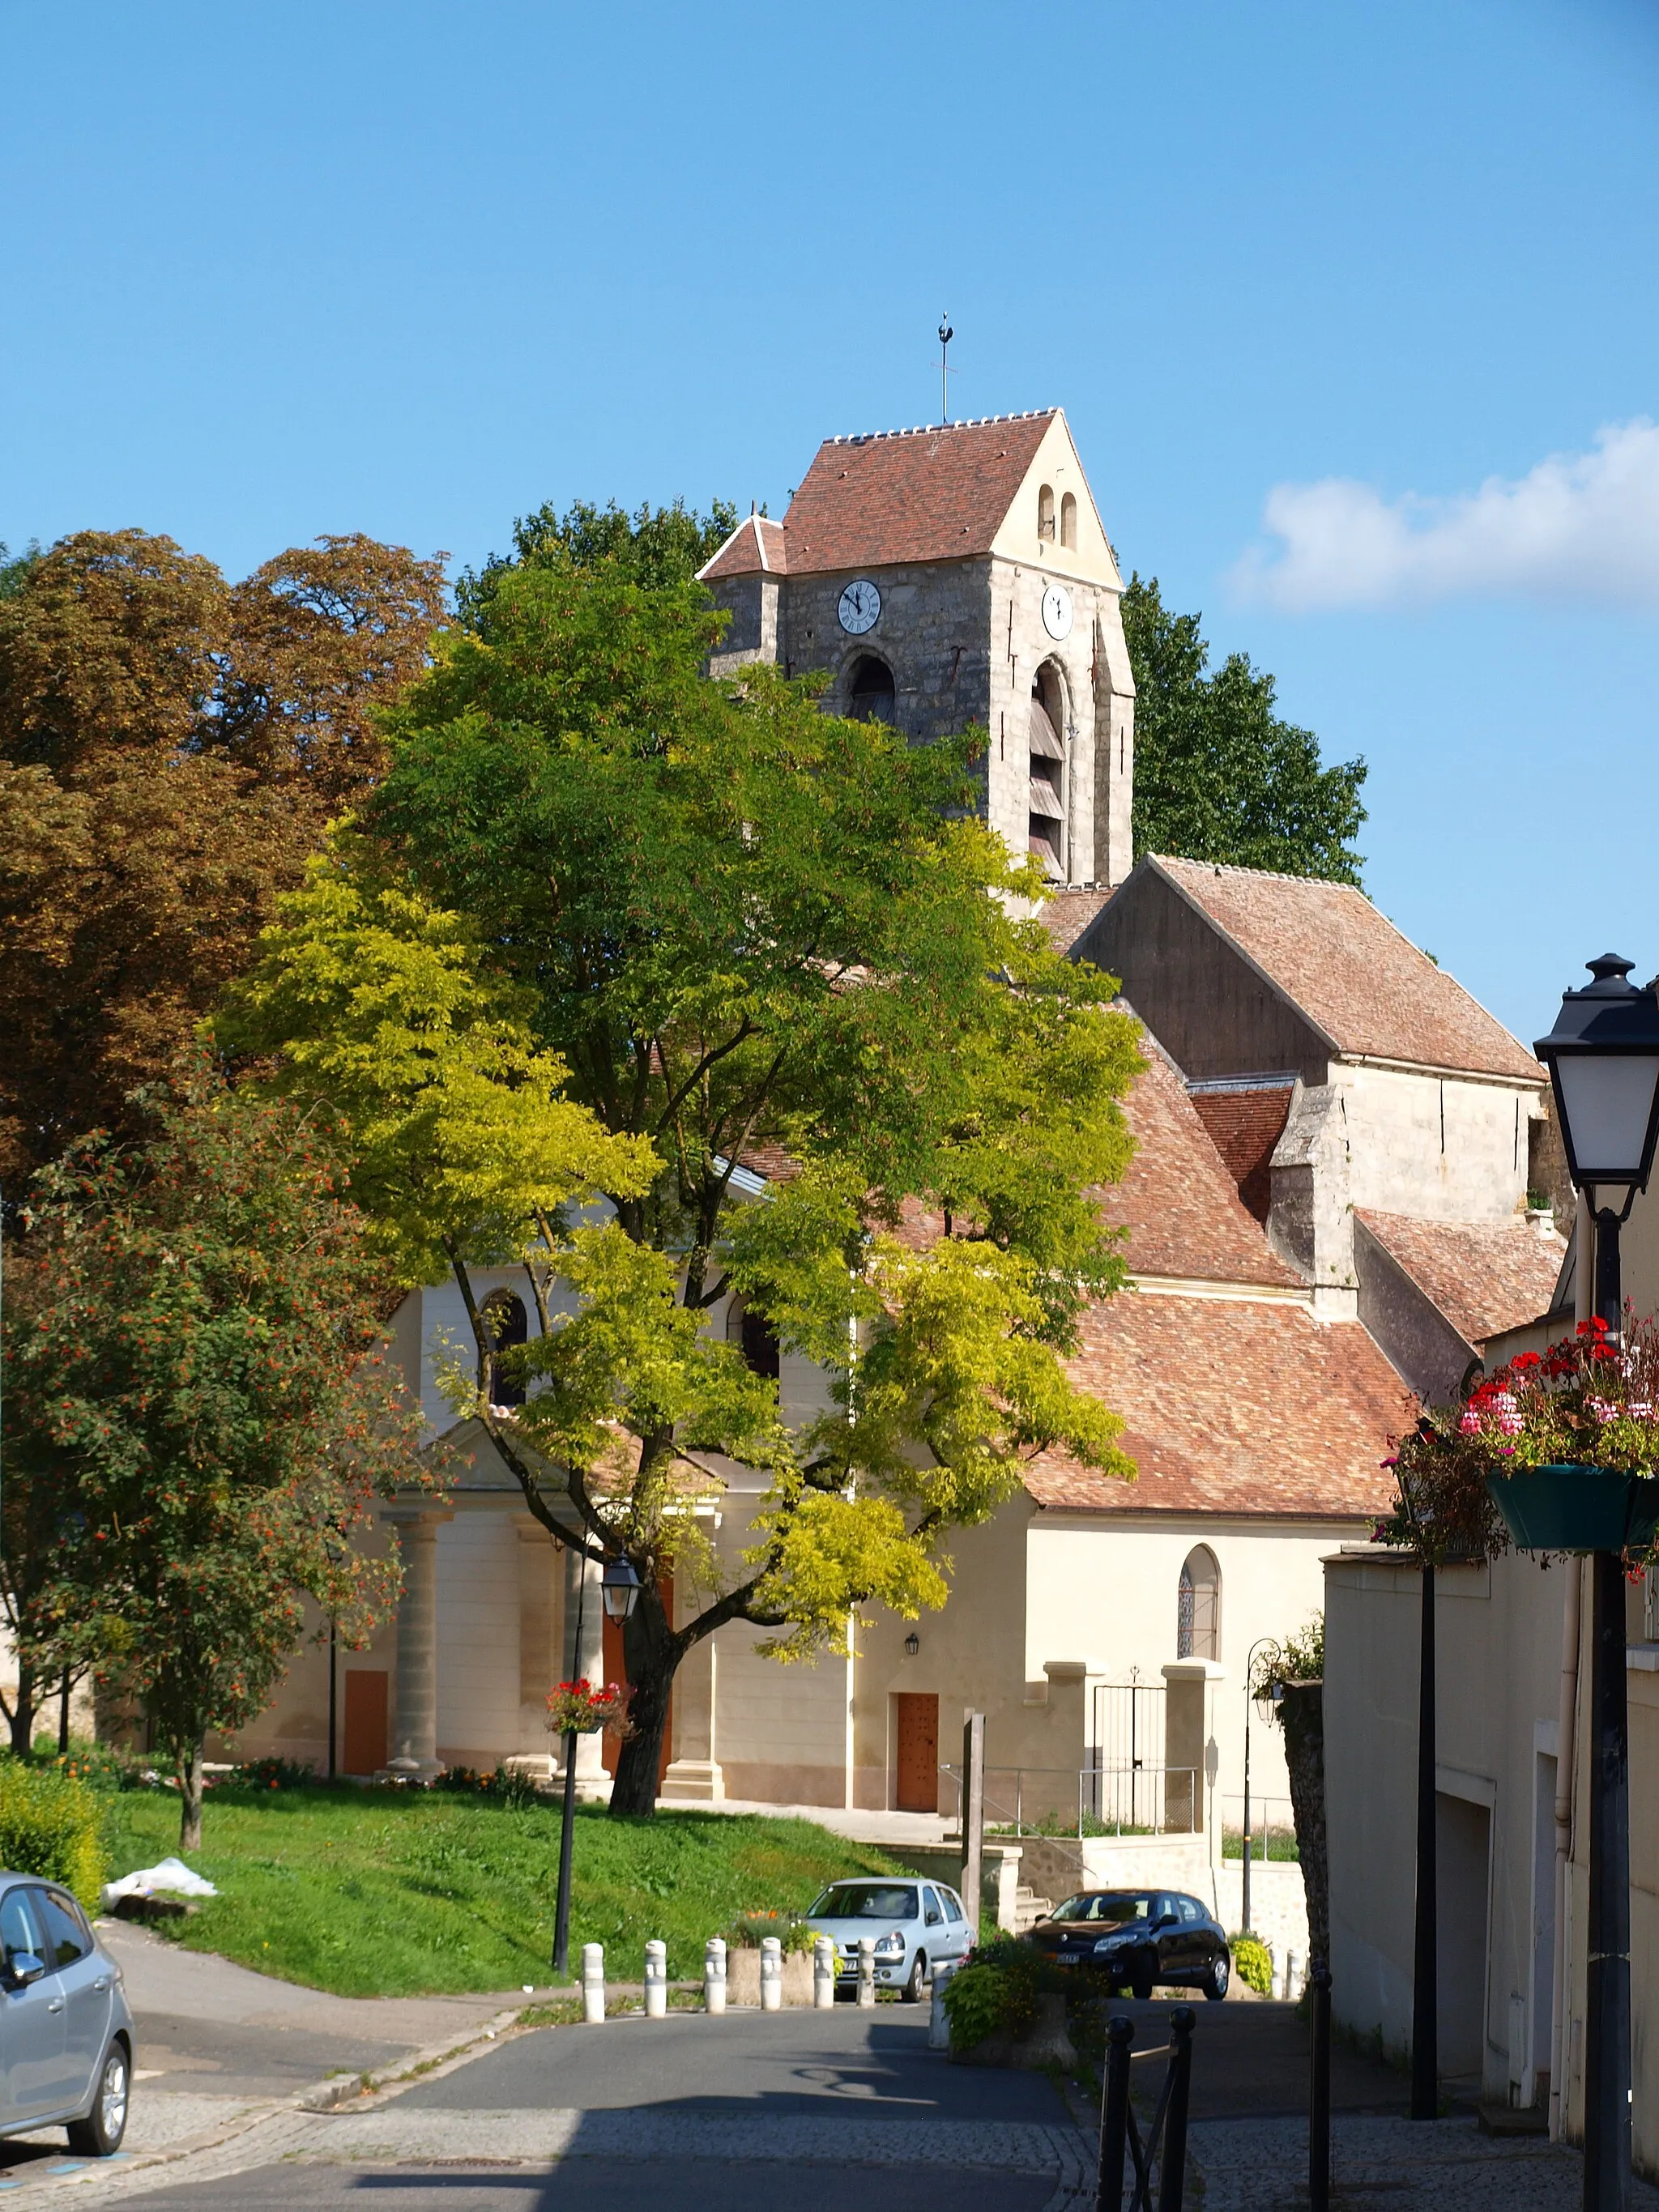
[(23, 1713), (653, 1654), (1303, 1713), (189, 1798)]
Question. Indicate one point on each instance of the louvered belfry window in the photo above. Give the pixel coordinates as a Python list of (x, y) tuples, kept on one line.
[(1048, 766)]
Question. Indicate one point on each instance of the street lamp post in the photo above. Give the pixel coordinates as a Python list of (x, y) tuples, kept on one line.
[(619, 1587), (1603, 1060), (1262, 1643)]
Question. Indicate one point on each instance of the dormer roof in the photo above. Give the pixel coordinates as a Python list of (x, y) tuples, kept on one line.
[(756, 547)]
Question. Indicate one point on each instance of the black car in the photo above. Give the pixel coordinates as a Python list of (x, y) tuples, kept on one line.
[(1140, 1938)]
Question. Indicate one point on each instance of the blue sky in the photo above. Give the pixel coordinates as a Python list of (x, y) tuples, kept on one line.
[(412, 269)]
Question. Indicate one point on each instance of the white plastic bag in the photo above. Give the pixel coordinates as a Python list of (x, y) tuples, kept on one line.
[(171, 1875)]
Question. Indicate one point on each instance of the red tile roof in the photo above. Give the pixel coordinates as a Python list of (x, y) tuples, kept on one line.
[(1245, 1120), (1232, 1406), (1484, 1277), (756, 547), (1364, 984), (1068, 913), (934, 494), (1180, 1206)]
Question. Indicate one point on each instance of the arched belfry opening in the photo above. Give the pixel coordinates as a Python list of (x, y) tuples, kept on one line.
[(1047, 771), (871, 696), (1198, 1605), (1068, 520), (1046, 512)]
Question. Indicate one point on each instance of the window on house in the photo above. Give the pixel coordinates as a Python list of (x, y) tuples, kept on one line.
[(1046, 512), (508, 1326), (1068, 521), (871, 698), (1047, 773), (1198, 1606)]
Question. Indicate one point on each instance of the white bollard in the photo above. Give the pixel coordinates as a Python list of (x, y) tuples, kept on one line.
[(714, 1974), (771, 1974), (1289, 1976), (938, 2027), (823, 1974), (593, 1983), (656, 1981), (866, 1970)]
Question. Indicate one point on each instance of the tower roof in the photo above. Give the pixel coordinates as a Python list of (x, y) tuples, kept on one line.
[(939, 493)]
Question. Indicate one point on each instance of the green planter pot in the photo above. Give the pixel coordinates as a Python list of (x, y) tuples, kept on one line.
[(1576, 1509)]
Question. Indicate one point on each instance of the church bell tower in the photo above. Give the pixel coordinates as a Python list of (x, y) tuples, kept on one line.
[(953, 575)]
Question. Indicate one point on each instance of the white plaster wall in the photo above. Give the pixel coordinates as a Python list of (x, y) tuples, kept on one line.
[(1404, 1158), (1498, 1639), (1108, 1593)]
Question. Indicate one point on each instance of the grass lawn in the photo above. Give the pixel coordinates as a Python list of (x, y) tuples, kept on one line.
[(379, 1893)]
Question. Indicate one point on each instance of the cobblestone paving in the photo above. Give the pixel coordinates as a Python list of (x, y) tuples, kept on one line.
[(1410, 2166)]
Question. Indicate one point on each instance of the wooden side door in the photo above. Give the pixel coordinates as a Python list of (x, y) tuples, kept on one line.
[(366, 1748), (615, 1670), (917, 1762)]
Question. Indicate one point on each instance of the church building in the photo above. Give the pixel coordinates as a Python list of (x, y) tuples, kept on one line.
[(1327, 1211)]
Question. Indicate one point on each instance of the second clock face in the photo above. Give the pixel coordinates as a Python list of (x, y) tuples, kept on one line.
[(1057, 612), (861, 607)]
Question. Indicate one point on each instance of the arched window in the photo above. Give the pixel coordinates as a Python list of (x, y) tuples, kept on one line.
[(756, 1338), (873, 694), (508, 1325), (1198, 1606), (1047, 828), (1068, 521), (1046, 512)]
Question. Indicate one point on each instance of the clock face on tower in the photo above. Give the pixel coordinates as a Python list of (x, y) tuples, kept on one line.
[(1057, 612), (859, 609)]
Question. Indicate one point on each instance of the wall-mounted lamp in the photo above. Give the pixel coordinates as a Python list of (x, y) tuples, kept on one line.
[(912, 1644)]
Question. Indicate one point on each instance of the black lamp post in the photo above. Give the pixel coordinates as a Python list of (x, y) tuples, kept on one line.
[(1263, 1644), (619, 1587), (1603, 1060), (1426, 1947)]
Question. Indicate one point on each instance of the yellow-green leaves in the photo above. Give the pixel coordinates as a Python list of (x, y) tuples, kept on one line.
[(380, 1008)]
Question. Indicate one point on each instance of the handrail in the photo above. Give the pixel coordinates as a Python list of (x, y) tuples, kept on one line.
[(1114, 1799)]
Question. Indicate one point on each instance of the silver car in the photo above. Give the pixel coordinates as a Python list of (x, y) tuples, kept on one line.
[(916, 1925), (65, 2033)]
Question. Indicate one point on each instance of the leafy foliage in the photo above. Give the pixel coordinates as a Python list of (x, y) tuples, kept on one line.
[(1298, 1657), (653, 546), (1252, 1963), (732, 928), (50, 1826), (1218, 776), (170, 748), (198, 1414)]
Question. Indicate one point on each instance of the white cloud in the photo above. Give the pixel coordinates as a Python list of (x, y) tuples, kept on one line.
[(1582, 526)]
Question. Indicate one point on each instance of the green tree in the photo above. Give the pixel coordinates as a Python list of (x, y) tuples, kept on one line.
[(742, 930), (655, 546), (1218, 776), (198, 1414)]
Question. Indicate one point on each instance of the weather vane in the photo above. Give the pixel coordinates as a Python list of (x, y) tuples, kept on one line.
[(946, 335)]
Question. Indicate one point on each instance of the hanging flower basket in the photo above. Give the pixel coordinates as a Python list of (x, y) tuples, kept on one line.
[(583, 1708), (1555, 1452), (1576, 1509)]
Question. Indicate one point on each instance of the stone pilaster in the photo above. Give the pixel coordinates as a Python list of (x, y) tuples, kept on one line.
[(415, 1725)]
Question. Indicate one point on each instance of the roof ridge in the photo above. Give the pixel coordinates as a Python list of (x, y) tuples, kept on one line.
[(932, 429), (1276, 876)]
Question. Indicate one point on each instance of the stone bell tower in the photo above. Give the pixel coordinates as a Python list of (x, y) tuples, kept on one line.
[(959, 574)]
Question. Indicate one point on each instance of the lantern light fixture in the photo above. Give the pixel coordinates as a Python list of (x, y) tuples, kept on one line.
[(619, 1586)]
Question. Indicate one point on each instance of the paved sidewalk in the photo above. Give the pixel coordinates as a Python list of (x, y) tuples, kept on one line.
[(1435, 2165)]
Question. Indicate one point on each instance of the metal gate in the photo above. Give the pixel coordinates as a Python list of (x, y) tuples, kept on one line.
[(1126, 1753)]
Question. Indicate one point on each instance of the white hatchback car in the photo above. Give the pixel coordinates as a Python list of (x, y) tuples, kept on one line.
[(915, 1926), (66, 2035)]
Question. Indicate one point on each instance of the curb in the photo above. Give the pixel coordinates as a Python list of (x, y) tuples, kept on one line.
[(339, 2089)]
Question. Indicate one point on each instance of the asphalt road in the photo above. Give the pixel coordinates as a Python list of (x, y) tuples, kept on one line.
[(814, 2111)]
